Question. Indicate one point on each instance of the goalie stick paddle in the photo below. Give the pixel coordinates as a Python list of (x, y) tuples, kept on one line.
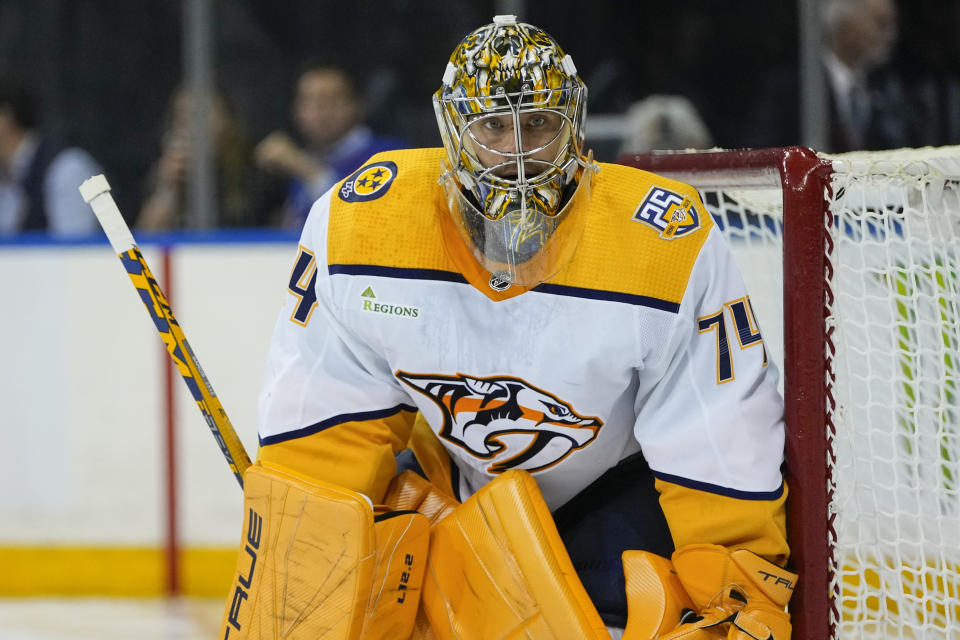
[(96, 192)]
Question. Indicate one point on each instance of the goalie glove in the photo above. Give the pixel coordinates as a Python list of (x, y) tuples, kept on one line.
[(737, 595)]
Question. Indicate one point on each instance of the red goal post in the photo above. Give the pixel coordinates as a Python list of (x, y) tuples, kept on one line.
[(868, 244)]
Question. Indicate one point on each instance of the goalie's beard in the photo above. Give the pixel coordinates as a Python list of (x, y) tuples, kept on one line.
[(525, 246)]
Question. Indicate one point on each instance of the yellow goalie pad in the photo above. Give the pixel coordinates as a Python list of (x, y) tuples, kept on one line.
[(735, 589), (409, 491), (314, 562), (655, 596), (498, 569)]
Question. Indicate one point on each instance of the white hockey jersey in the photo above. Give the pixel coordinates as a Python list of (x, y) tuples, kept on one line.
[(646, 340)]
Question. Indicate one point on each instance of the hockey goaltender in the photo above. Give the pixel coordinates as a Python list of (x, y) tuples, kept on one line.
[(577, 435)]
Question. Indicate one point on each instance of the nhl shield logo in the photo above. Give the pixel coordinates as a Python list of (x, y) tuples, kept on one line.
[(369, 182), (505, 420)]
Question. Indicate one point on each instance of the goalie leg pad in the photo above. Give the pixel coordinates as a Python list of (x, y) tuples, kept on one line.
[(401, 560), (410, 491), (421, 628), (498, 569), (655, 597), (314, 564)]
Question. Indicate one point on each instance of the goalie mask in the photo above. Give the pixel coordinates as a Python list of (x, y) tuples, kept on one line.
[(511, 112)]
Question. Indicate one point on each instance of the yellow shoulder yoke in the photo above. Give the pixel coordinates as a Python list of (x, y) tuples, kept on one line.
[(629, 245), (642, 238), (395, 226)]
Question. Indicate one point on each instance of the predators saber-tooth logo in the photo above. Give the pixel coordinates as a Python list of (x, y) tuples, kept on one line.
[(505, 420)]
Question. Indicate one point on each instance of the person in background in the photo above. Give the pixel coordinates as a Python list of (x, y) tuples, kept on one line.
[(662, 122), (866, 101), (39, 174), (331, 140), (165, 205)]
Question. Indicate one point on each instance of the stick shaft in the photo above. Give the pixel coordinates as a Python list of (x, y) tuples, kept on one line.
[(96, 191)]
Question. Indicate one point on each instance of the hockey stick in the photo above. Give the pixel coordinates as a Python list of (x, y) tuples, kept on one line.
[(96, 192)]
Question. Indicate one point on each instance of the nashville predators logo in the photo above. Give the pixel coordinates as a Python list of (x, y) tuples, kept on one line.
[(505, 420), (369, 182)]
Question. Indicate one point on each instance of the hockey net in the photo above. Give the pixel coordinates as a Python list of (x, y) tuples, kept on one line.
[(863, 319)]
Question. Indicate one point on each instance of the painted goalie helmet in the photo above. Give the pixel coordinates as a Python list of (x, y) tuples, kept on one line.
[(511, 111)]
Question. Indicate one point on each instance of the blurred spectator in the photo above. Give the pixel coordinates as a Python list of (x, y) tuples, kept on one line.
[(866, 99), (165, 205), (39, 175), (331, 139), (663, 122)]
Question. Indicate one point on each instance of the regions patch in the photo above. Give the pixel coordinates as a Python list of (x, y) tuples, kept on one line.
[(370, 304), (369, 182), (672, 214)]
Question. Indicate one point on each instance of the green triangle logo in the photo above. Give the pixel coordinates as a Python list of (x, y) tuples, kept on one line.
[(368, 293)]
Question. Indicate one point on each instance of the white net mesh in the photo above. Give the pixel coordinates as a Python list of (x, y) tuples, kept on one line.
[(897, 443), (895, 315)]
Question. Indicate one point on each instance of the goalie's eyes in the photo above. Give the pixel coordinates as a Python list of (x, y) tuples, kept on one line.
[(537, 128), (538, 121), (493, 124), (531, 122)]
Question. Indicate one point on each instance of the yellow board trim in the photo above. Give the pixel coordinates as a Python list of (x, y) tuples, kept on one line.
[(113, 571)]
